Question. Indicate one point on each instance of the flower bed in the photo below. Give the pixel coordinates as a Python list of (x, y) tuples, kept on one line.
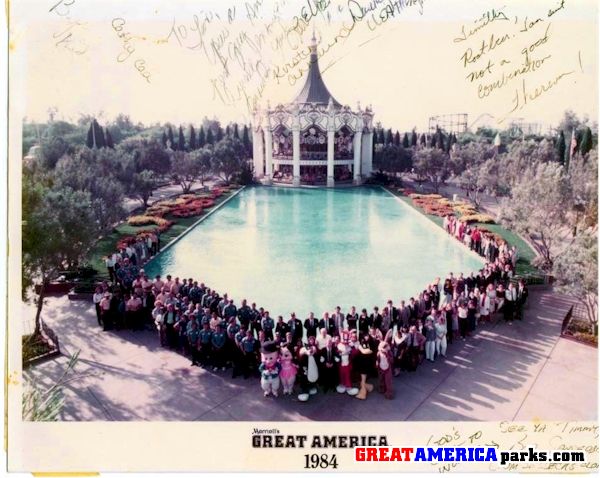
[(475, 218), (146, 220)]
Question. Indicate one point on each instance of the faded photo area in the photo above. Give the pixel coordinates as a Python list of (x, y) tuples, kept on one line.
[(310, 210)]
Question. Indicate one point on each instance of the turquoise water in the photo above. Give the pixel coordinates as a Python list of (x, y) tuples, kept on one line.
[(308, 250)]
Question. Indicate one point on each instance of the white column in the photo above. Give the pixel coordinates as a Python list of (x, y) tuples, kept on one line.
[(330, 157), (296, 150), (268, 155), (357, 156), (367, 156), (258, 156)]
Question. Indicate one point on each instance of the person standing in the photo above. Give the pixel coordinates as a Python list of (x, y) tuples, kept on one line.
[(441, 331), (311, 325), (430, 336), (510, 299), (295, 327)]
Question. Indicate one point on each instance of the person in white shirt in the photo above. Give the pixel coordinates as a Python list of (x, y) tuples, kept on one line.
[(97, 297), (441, 329), (322, 338)]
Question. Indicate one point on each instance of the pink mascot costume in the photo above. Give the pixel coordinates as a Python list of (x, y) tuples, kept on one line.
[(288, 371)]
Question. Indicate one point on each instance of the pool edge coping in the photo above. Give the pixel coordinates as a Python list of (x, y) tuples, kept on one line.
[(432, 223), (193, 225)]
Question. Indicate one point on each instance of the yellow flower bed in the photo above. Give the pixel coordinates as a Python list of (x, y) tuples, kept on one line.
[(465, 210), (145, 220), (481, 218), (426, 196)]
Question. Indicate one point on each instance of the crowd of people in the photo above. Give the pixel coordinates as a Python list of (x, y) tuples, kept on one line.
[(216, 333)]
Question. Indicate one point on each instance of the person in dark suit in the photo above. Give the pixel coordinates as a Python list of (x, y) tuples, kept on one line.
[(311, 325), (352, 319), (328, 361), (295, 327), (281, 326)]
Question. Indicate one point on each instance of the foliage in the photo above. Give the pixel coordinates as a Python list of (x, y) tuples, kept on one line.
[(433, 165), (143, 185), (58, 228), (536, 207), (583, 180), (393, 159), (576, 272), (46, 406), (228, 158)]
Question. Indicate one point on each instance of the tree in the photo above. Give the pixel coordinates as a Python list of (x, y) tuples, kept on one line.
[(50, 151), (433, 164), (192, 142), (189, 167), (201, 138), (397, 140), (229, 157), (586, 143), (405, 141), (181, 141), (171, 139), (210, 139), (109, 141), (246, 141), (583, 181), (164, 139), (58, 228), (205, 160), (470, 156), (98, 173), (413, 138), (144, 183), (536, 208), (219, 134), (95, 136), (227, 131), (147, 154), (561, 148), (576, 273), (236, 131)]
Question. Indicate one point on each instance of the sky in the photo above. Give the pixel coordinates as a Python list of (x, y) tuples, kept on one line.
[(180, 61)]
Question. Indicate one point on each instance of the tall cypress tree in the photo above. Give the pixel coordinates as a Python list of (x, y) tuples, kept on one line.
[(90, 136), (219, 135), (171, 138), (192, 142), (209, 137), (586, 143), (389, 136), (561, 148), (397, 138), (423, 139), (181, 142), (99, 133), (201, 138), (227, 131), (405, 142), (236, 131), (246, 139), (163, 140), (414, 139), (109, 141)]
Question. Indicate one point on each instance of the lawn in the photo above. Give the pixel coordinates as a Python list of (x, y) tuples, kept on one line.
[(106, 245), (526, 254)]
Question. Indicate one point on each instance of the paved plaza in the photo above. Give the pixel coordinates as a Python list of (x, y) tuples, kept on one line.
[(519, 372)]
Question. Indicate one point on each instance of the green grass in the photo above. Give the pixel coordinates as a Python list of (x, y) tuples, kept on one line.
[(526, 254), (107, 245)]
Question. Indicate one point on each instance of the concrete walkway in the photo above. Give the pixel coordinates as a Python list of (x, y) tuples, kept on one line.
[(519, 372)]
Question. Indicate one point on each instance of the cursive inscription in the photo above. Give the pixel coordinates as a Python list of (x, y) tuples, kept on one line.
[(128, 49)]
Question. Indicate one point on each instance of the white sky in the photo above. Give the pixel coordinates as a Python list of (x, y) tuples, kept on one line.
[(408, 69)]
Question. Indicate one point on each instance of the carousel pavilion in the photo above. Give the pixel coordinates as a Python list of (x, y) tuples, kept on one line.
[(313, 139)]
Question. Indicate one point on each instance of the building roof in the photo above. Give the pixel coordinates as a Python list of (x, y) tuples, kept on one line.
[(314, 89)]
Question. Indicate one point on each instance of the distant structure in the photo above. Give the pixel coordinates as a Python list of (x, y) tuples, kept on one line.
[(314, 139), (451, 123)]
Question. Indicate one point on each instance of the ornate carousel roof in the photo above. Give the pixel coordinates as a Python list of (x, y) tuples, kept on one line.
[(314, 89)]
